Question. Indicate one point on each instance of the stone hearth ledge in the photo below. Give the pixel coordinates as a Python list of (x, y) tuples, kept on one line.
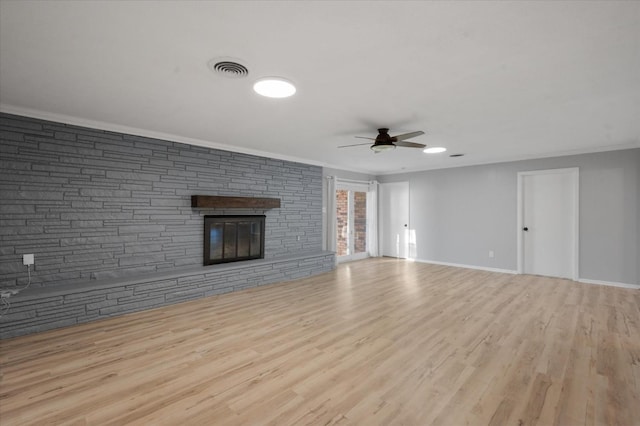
[(44, 308), (63, 290)]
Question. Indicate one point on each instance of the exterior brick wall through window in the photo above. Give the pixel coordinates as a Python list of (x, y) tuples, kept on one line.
[(359, 222)]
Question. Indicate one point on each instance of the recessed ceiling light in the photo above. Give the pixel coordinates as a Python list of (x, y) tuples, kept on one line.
[(434, 150), (274, 87)]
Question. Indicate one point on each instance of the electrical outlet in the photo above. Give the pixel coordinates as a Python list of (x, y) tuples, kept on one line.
[(491, 254), (27, 259)]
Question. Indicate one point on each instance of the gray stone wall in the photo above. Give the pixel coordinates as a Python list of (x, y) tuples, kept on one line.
[(95, 205)]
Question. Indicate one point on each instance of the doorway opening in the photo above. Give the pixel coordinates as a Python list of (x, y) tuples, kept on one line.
[(396, 238), (351, 222)]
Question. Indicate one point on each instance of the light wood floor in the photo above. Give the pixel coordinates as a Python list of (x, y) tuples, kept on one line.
[(374, 342)]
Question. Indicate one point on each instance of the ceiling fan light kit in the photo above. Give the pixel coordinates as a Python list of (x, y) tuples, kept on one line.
[(384, 142), (382, 147)]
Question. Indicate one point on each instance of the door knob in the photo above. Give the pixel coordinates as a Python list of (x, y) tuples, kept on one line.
[(525, 228)]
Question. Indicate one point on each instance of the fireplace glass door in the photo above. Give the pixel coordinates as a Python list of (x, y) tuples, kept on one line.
[(233, 238)]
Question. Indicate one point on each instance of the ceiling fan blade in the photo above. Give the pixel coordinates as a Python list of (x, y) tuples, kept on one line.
[(409, 144), (364, 137), (355, 144), (408, 135)]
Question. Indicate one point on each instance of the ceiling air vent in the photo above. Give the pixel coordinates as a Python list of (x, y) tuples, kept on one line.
[(228, 68)]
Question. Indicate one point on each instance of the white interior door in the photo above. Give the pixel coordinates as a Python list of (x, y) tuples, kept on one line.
[(394, 219), (548, 223)]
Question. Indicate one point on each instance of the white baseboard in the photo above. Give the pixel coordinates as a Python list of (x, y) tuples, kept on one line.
[(509, 271), (459, 265), (609, 283)]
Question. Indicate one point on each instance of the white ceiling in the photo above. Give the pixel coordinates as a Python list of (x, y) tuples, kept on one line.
[(496, 81)]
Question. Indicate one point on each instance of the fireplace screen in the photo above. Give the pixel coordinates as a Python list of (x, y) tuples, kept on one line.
[(233, 238)]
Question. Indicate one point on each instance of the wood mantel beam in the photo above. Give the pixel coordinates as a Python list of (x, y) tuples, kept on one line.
[(220, 202)]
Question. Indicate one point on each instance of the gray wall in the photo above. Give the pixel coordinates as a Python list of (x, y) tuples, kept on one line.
[(460, 214), (94, 204)]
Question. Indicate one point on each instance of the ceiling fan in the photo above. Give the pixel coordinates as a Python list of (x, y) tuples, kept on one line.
[(383, 141)]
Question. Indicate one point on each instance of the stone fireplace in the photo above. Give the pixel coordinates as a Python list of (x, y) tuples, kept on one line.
[(233, 238)]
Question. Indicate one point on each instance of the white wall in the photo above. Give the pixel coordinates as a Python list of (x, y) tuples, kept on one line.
[(460, 214)]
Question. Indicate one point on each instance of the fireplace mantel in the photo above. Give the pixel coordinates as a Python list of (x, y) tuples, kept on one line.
[(220, 202)]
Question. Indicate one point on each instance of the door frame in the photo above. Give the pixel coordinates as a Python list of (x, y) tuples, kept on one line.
[(353, 187), (575, 173)]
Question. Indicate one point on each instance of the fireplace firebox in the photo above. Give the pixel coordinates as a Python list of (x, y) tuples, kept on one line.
[(233, 238)]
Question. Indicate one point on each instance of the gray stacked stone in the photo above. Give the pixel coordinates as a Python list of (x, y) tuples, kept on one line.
[(96, 206)]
